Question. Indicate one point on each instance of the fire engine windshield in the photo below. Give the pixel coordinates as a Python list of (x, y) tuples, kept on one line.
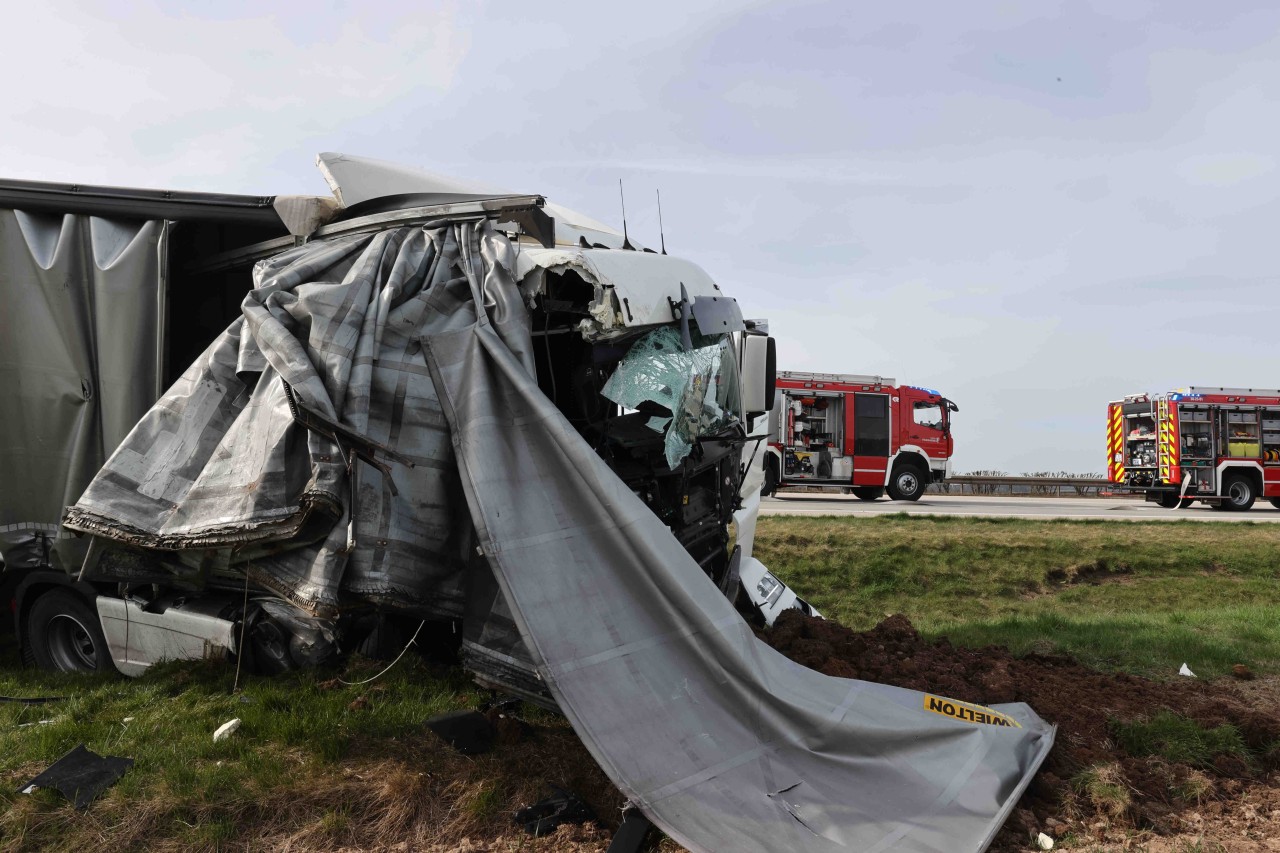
[(929, 415), (696, 390)]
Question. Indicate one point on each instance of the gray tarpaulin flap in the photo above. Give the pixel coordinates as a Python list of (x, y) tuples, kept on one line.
[(725, 743), (419, 340), (222, 466), (78, 363)]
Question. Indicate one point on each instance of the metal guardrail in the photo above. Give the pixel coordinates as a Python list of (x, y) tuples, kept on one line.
[(1023, 486)]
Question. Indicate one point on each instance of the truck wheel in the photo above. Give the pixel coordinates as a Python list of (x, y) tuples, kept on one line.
[(770, 479), (907, 483), (867, 493), (1185, 502), (63, 634), (1168, 500), (1238, 493), (1275, 502)]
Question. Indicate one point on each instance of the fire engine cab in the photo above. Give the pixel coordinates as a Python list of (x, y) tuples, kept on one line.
[(862, 434), (1217, 445)]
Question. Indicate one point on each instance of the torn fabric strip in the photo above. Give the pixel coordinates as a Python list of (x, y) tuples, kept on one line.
[(723, 742)]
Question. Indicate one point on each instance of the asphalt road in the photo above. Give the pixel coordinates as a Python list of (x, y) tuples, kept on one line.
[(1109, 509)]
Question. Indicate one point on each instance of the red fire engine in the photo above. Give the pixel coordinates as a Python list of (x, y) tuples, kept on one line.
[(1217, 445), (863, 434)]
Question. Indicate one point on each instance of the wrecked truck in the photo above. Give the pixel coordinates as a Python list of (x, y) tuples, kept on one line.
[(114, 295), (476, 408)]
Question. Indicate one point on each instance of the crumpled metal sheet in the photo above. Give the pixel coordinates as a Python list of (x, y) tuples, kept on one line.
[(77, 364), (220, 464), (723, 742)]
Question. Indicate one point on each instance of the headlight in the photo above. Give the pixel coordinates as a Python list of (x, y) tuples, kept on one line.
[(770, 588)]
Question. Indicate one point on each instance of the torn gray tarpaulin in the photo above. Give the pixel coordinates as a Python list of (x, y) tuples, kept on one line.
[(690, 715), (693, 718), (80, 775)]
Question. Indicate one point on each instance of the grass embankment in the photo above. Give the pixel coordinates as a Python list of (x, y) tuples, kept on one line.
[(1142, 598), (316, 765)]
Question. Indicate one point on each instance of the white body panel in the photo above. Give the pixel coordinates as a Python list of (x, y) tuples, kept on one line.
[(138, 639)]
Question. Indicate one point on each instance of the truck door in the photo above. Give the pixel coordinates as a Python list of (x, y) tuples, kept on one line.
[(867, 438)]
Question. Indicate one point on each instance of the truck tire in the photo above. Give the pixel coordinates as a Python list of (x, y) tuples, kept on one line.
[(770, 478), (1168, 500), (1238, 492), (907, 483), (1275, 502), (63, 634), (1183, 503), (868, 493)]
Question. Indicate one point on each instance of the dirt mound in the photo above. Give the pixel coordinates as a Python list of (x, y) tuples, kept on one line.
[(1090, 786)]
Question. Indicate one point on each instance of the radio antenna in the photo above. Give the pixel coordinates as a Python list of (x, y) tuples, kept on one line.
[(661, 235), (626, 241)]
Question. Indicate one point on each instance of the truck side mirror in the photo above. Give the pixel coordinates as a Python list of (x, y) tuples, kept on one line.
[(759, 374)]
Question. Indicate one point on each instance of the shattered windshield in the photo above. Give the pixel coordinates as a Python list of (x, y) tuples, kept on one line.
[(697, 390)]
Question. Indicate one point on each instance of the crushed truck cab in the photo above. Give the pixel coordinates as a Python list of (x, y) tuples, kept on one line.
[(641, 352), (470, 408)]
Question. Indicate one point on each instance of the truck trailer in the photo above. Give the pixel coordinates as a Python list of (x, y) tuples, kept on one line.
[(1217, 445), (858, 433)]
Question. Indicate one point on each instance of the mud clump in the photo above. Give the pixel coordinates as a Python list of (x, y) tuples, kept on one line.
[(1088, 786)]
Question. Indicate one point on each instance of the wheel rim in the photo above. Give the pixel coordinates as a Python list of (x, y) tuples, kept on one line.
[(908, 482), (1238, 493), (70, 644)]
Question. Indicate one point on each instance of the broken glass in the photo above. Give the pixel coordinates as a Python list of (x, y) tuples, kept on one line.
[(698, 387)]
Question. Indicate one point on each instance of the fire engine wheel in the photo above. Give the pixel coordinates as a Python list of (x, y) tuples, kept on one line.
[(1186, 502), (63, 635), (907, 484), (1169, 500), (1275, 502), (1238, 493), (867, 493)]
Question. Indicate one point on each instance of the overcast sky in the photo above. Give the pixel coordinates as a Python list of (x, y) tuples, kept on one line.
[(1032, 207)]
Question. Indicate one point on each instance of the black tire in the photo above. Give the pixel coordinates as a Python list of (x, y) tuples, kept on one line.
[(1275, 502), (867, 493), (1238, 492), (63, 634), (1168, 500), (1185, 502), (907, 483), (770, 478)]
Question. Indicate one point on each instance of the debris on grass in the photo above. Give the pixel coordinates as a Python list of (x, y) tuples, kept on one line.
[(546, 815), (469, 732), (226, 730), (80, 775)]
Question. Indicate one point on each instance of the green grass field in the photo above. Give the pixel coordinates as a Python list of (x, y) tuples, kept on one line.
[(1143, 598), (316, 767), (297, 732)]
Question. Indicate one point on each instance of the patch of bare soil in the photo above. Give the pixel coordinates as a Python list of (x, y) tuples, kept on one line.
[(1089, 794)]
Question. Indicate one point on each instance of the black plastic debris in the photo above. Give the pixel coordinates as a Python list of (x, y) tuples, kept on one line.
[(469, 732), (31, 700), (544, 816), (80, 775), (633, 834)]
